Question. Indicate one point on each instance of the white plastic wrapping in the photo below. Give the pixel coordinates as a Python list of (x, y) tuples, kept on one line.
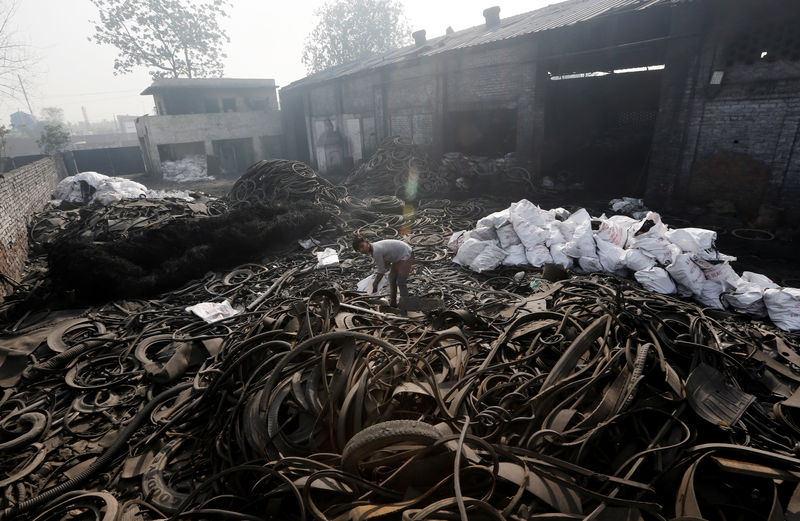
[(529, 234), (456, 240), (692, 239), (636, 260), (611, 256)]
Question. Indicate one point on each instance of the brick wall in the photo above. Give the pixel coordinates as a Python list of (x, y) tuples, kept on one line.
[(23, 192)]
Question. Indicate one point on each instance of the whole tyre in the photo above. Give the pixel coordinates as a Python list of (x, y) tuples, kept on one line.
[(384, 435)]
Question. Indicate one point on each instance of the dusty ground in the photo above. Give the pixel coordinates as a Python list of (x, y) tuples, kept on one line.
[(220, 187)]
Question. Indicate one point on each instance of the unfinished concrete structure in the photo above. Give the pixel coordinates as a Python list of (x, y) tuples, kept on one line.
[(659, 98), (232, 122)]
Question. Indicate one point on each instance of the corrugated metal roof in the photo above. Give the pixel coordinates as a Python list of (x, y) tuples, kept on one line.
[(546, 18), (208, 83)]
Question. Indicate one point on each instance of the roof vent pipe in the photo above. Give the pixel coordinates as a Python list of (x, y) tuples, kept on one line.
[(419, 37), (492, 15), (449, 30)]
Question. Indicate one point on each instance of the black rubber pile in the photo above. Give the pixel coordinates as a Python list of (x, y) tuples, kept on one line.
[(510, 399), (400, 168)]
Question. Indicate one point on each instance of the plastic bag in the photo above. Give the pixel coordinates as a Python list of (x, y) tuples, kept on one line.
[(538, 256), (687, 273), (761, 281), (365, 285), (469, 250), (582, 242), (327, 258), (783, 306), (212, 312), (515, 255), (507, 236), (488, 259), (656, 279)]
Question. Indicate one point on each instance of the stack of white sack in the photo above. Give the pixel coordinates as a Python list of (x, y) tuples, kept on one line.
[(91, 187), (681, 261)]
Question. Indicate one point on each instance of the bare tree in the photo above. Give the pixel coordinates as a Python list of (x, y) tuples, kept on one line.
[(14, 57), (172, 38), (351, 30)]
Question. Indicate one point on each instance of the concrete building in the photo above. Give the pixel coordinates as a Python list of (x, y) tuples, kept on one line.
[(232, 122), (668, 99)]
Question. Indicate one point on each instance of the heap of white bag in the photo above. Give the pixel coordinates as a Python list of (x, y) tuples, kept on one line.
[(107, 190), (679, 261)]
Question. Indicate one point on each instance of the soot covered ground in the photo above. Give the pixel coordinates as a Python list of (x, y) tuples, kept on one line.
[(163, 259)]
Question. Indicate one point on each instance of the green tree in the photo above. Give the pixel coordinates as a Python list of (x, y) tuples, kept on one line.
[(350, 30), (172, 38), (53, 115), (55, 138)]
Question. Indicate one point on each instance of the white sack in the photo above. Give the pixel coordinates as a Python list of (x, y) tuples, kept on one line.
[(783, 306), (709, 296), (655, 246), (507, 236), (529, 234), (554, 235), (712, 255), (590, 264), (456, 240), (538, 256), (747, 298), (762, 281), (692, 239), (582, 242), (611, 256), (494, 220), (656, 279), (525, 210), (637, 260), (612, 233), (488, 259), (515, 255), (723, 274), (482, 233), (469, 250), (687, 273), (559, 257)]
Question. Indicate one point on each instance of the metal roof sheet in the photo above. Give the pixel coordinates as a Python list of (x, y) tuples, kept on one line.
[(552, 16), (208, 83)]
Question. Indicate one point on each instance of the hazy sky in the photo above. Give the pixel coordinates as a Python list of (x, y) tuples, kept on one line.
[(266, 42)]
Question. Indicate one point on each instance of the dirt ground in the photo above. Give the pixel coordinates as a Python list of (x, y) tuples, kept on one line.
[(219, 187)]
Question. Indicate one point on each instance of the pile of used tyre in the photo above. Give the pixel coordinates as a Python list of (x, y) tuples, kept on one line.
[(516, 398), (400, 168)]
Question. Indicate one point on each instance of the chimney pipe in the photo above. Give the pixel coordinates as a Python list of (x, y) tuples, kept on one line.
[(449, 30), (419, 37), (492, 15)]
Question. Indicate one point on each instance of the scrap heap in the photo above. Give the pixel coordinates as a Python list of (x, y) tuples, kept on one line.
[(503, 397)]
